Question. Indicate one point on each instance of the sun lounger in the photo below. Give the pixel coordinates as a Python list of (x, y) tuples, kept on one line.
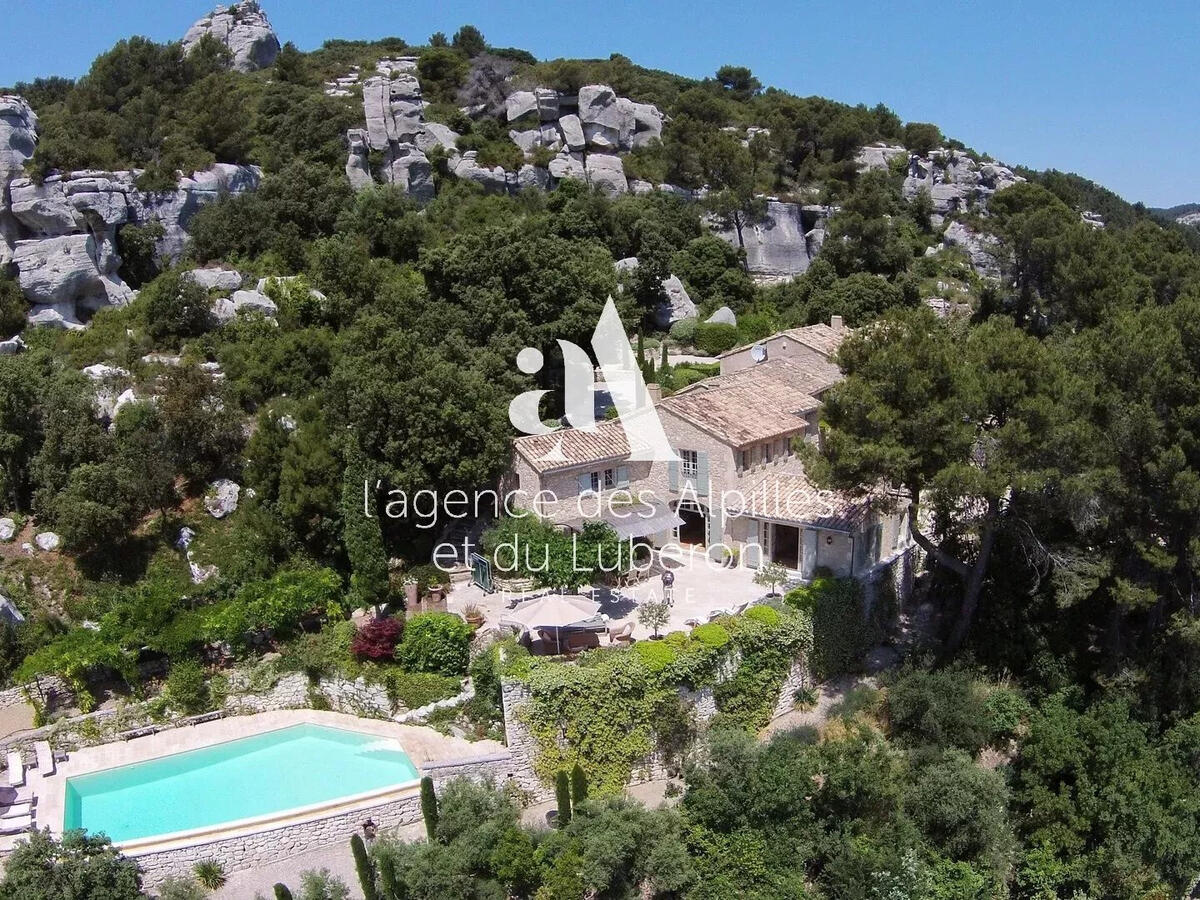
[(622, 634), (17, 825), (16, 811), (16, 769), (45, 757)]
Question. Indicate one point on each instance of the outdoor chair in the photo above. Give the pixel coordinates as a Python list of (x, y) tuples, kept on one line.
[(622, 634), (16, 769), (45, 757), (578, 641)]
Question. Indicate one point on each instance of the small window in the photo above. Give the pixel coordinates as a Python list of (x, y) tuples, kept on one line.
[(610, 479), (596, 482), (689, 463), (766, 451), (745, 457)]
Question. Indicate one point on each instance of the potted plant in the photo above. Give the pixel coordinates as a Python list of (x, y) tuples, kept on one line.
[(412, 591), (654, 615), (474, 615)]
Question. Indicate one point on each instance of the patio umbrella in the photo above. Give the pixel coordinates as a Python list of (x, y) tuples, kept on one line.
[(555, 611)]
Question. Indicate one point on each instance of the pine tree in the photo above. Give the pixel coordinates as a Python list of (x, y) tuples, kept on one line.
[(429, 808), (562, 791), (579, 785), (364, 867)]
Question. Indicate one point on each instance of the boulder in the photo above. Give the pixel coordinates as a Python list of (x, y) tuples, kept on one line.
[(547, 103), (520, 103), (567, 165), (162, 359), (53, 317), (628, 264), (222, 498), (254, 300), (358, 165), (878, 156), (104, 372), (8, 529), (18, 135), (493, 180), (607, 119), (435, 134), (409, 169), (125, 398), (218, 279), (44, 208), (12, 346), (526, 140), (530, 176), (607, 172), (70, 272), (647, 124), (47, 540), (223, 310), (677, 305), (723, 316), (572, 132), (244, 29), (393, 109)]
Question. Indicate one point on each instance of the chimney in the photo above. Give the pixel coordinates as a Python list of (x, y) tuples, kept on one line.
[(836, 323)]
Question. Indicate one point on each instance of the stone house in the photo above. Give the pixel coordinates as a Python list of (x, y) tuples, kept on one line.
[(738, 488)]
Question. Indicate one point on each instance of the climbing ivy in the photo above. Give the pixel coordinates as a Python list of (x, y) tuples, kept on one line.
[(615, 707)]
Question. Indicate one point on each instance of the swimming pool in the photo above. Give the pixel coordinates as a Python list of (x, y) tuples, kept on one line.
[(299, 766)]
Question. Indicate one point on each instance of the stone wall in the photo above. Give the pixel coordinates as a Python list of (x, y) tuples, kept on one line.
[(798, 677), (54, 693), (268, 847)]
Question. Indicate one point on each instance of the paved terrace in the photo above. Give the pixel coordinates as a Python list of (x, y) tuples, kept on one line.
[(701, 587)]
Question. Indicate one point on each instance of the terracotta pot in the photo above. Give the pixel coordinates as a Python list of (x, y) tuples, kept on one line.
[(436, 593), (411, 594)]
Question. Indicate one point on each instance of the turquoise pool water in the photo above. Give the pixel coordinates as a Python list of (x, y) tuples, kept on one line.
[(239, 779)]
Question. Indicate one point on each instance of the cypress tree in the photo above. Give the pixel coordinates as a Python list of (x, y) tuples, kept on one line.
[(282, 892), (579, 785), (365, 868), (387, 879), (562, 790), (429, 808), (664, 363)]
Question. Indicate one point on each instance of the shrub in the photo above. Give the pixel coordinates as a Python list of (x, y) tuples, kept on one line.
[(435, 642), (946, 707), (210, 873), (282, 892), (377, 639), (579, 785), (416, 689), (840, 631), (429, 808), (656, 655), (765, 614), (684, 331), (186, 688), (181, 887), (713, 338), (562, 796), (428, 576), (321, 884)]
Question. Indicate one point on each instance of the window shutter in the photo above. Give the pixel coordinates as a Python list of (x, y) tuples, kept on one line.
[(622, 476), (752, 553), (585, 482), (673, 474), (702, 472)]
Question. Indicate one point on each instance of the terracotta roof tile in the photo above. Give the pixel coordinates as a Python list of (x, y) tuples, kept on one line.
[(791, 497), (570, 447)]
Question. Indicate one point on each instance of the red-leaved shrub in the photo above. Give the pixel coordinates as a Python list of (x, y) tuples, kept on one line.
[(377, 639)]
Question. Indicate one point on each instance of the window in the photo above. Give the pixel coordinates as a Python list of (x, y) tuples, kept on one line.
[(766, 452), (745, 458), (610, 479), (689, 463), (595, 478)]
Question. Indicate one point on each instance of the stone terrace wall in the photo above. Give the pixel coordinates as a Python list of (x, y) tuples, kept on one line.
[(55, 691), (268, 847)]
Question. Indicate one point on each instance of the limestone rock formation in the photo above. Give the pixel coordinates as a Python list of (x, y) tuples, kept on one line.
[(244, 29), (723, 316), (222, 498), (605, 171), (409, 169), (8, 529), (677, 305), (358, 167), (254, 300), (47, 540), (983, 249), (783, 242), (955, 182), (394, 110), (878, 156), (215, 279), (12, 346), (70, 274)]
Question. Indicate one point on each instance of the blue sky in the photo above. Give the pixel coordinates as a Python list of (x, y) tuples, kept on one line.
[(1110, 90)]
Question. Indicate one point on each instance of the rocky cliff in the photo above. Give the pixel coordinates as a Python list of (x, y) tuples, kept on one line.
[(243, 29)]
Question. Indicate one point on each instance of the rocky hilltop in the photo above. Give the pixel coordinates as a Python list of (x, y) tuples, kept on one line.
[(59, 234)]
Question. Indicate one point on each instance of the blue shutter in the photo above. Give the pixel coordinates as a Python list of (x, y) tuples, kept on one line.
[(716, 525), (622, 476), (702, 473), (585, 482), (752, 554), (673, 474)]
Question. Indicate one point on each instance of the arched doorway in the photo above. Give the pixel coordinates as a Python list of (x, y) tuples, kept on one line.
[(694, 529)]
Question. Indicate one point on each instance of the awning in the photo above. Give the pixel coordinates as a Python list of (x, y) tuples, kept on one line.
[(641, 520)]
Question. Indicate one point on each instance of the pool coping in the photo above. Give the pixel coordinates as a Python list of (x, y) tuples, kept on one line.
[(51, 792)]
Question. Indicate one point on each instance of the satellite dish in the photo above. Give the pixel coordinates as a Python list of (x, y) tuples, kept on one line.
[(758, 352)]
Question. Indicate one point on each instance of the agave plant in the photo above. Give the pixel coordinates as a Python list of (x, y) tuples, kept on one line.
[(210, 873)]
